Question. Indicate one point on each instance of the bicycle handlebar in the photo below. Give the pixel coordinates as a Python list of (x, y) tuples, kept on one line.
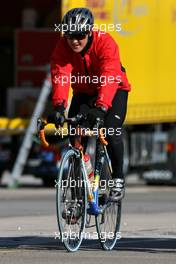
[(41, 130)]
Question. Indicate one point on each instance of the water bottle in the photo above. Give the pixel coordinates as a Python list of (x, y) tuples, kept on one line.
[(89, 168)]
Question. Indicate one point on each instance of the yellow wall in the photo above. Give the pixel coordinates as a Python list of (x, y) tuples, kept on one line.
[(148, 51)]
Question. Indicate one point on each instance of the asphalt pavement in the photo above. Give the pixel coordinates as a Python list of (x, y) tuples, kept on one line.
[(28, 228)]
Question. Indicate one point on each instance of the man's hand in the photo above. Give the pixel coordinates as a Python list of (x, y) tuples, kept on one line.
[(94, 113), (57, 117)]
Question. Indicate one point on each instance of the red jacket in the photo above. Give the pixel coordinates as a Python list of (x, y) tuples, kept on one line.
[(103, 67)]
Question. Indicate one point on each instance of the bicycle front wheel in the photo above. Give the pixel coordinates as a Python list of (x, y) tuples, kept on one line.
[(71, 201)]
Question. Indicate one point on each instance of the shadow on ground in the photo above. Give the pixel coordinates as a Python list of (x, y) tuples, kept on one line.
[(140, 244)]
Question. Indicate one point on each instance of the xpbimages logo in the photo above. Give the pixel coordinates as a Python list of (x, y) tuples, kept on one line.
[(101, 28), (72, 183), (86, 235), (79, 79), (72, 131)]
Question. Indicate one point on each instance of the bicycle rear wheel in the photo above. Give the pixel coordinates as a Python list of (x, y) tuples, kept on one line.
[(108, 223), (71, 201)]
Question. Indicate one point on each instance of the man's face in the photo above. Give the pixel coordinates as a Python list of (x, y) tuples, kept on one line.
[(77, 42)]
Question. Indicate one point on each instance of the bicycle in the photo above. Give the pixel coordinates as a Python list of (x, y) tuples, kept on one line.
[(76, 204)]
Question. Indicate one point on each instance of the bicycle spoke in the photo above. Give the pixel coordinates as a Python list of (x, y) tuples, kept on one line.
[(71, 210), (108, 223)]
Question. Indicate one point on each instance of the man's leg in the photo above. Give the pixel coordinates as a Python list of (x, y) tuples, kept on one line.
[(78, 100), (113, 121)]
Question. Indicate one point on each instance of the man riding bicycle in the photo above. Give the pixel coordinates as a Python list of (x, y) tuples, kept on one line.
[(81, 51)]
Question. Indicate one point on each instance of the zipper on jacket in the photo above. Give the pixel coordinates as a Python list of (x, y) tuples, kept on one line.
[(85, 67)]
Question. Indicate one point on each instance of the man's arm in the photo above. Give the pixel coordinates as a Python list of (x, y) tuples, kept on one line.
[(60, 74), (111, 71)]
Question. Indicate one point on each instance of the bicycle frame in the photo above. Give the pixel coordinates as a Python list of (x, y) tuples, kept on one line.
[(91, 190)]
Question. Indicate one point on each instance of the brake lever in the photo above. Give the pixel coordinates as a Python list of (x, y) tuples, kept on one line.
[(99, 122), (40, 124)]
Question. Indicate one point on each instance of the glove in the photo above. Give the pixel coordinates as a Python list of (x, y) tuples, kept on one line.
[(57, 117), (94, 113)]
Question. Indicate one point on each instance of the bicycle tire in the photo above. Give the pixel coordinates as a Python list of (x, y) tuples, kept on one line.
[(111, 214), (78, 202)]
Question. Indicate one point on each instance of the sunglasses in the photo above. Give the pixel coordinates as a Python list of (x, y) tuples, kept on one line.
[(76, 36)]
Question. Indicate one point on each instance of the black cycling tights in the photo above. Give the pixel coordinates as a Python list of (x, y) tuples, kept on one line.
[(113, 123)]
